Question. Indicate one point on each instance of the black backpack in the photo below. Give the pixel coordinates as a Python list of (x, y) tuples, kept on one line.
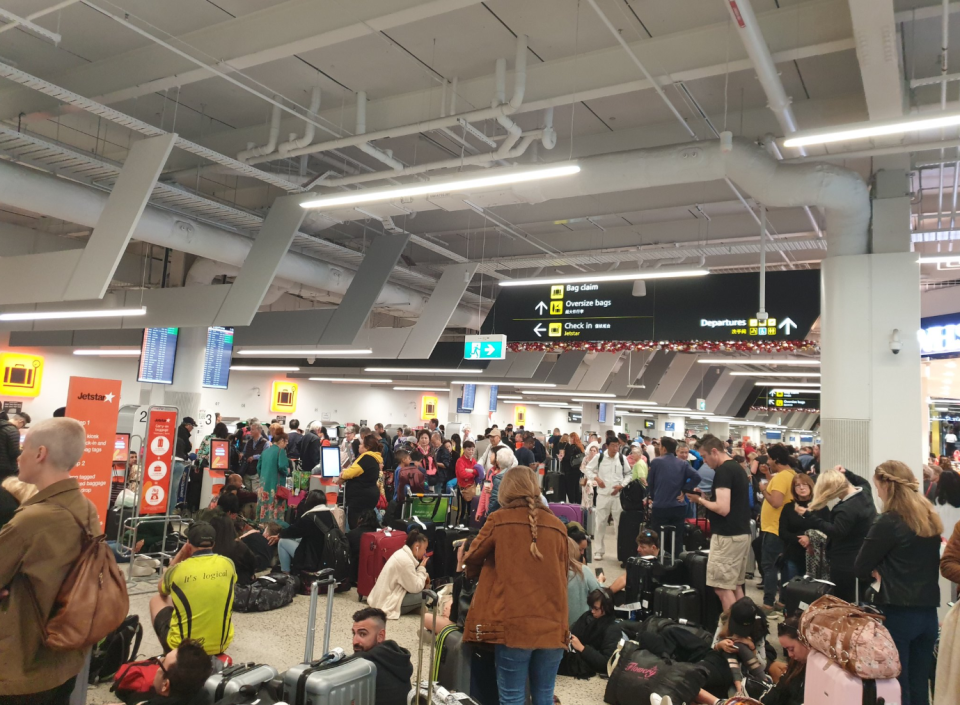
[(336, 554), (119, 647), (632, 496)]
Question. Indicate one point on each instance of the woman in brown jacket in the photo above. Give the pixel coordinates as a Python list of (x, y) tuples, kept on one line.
[(950, 560), (521, 601)]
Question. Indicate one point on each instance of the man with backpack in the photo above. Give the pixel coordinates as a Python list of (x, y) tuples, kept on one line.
[(611, 472), (38, 548)]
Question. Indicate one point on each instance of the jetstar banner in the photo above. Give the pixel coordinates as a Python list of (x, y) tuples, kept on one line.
[(158, 461), (96, 404)]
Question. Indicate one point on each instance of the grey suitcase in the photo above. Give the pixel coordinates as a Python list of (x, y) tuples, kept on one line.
[(230, 680), (335, 678), (453, 660)]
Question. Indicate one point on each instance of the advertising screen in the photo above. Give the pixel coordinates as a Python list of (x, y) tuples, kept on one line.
[(219, 454)]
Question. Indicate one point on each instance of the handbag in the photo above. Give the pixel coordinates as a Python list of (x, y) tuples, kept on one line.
[(851, 637), (282, 493), (468, 589)]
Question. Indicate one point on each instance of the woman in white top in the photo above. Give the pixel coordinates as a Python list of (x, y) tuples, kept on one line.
[(947, 501), (403, 578)]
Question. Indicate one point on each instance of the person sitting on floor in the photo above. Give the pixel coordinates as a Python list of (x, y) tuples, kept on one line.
[(648, 546), (581, 582), (394, 666), (257, 542), (736, 653), (181, 676), (404, 576), (593, 638), (196, 595)]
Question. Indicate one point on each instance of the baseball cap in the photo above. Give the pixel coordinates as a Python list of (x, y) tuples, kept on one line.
[(189, 420), (201, 535), (743, 615)]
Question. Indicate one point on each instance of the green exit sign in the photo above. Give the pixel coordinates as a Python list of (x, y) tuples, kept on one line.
[(485, 347)]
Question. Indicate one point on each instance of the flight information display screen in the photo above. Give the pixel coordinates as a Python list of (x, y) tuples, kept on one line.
[(158, 354), (216, 359)]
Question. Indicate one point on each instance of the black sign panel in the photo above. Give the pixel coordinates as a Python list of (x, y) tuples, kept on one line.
[(788, 399), (714, 307)]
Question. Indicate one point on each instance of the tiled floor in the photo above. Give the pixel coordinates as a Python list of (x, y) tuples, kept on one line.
[(277, 638)]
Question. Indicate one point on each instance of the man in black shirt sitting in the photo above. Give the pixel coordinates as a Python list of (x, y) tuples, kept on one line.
[(394, 667), (729, 514)]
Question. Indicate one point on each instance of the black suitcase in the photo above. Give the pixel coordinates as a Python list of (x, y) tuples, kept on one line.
[(445, 555), (627, 532), (695, 563), (801, 591), (677, 602), (553, 486), (642, 574)]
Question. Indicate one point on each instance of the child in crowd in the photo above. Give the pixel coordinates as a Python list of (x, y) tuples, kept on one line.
[(739, 639)]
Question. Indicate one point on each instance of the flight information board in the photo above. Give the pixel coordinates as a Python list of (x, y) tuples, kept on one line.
[(715, 307), (216, 359), (494, 391), (158, 355)]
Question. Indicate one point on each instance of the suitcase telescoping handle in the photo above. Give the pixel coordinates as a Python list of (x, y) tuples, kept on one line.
[(324, 577), (430, 601), (673, 543)]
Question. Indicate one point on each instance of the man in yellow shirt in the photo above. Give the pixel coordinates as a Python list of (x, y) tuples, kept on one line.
[(196, 595), (776, 492)]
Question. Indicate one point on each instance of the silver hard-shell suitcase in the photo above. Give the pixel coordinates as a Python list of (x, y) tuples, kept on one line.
[(231, 679), (335, 678)]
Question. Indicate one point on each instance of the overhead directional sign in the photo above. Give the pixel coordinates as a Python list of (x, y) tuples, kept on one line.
[(716, 307), (485, 347)]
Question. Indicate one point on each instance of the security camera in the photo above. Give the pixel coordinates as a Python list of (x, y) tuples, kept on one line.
[(311, 360), (895, 344)]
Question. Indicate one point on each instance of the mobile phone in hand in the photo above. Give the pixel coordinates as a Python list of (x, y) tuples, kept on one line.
[(599, 571)]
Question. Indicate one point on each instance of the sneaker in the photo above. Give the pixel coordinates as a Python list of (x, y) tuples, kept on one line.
[(598, 556), (768, 609)]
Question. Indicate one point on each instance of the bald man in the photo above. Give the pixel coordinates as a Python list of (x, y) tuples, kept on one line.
[(37, 549)]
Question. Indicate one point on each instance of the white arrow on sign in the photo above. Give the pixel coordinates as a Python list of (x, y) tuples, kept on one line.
[(539, 329), (786, 323), (541, 308), (489, 350)]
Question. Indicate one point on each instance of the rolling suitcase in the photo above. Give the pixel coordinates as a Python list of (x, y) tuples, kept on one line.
[(335, 678), (590, 521), (567, 512), (553, 486), (801, 591), (826, 683), (375, 548), (680, 603), (229, 682), (642, 572), (453, 660), (627, 532), (695, 563), (445, 552)]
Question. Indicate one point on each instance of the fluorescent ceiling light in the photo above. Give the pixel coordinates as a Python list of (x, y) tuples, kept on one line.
[(751, 361), (560, 394), (106, 352), (590, 399), (425, 370), (864, 130), (620, 277), (255, 368), (939, 259), (636, 403), (502, 384), (554, 406), (352, 380), (420, 389), (786, 383), (774, 374), (505, 176), (509, 396), (306, 353), (91, 313)]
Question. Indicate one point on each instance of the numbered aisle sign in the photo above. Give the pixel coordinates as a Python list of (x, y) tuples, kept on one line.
[(158, 460)]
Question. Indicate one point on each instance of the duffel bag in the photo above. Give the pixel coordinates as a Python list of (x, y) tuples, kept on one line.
[(267, 593), (636, 674), (851, 637)]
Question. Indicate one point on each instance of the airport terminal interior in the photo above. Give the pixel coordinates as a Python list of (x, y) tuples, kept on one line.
[(694, 263)]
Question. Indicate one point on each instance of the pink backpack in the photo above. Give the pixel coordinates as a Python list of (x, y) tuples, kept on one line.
[(851, 637)]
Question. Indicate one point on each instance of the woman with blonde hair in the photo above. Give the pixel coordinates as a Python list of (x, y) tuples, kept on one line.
[(520, 606), (580, 583), (848, 499), (570, 464), (902, 552)]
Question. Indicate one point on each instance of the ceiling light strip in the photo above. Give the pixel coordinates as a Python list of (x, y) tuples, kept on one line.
[(865, 130), (89, 313), (595, 277)]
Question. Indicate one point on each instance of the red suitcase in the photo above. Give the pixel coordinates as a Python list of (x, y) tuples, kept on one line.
[(375, 548), (702, 524)]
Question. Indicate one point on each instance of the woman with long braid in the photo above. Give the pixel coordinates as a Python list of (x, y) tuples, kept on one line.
[(902, 552), (520, 605)]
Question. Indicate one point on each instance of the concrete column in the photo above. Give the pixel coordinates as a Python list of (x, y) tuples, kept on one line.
[(590, 421), (184, 393), (870, 306), (719, 429)]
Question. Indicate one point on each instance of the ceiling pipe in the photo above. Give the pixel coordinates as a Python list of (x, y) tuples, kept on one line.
[(308, 131), (366, 147), (271, 140), (492, 113)]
